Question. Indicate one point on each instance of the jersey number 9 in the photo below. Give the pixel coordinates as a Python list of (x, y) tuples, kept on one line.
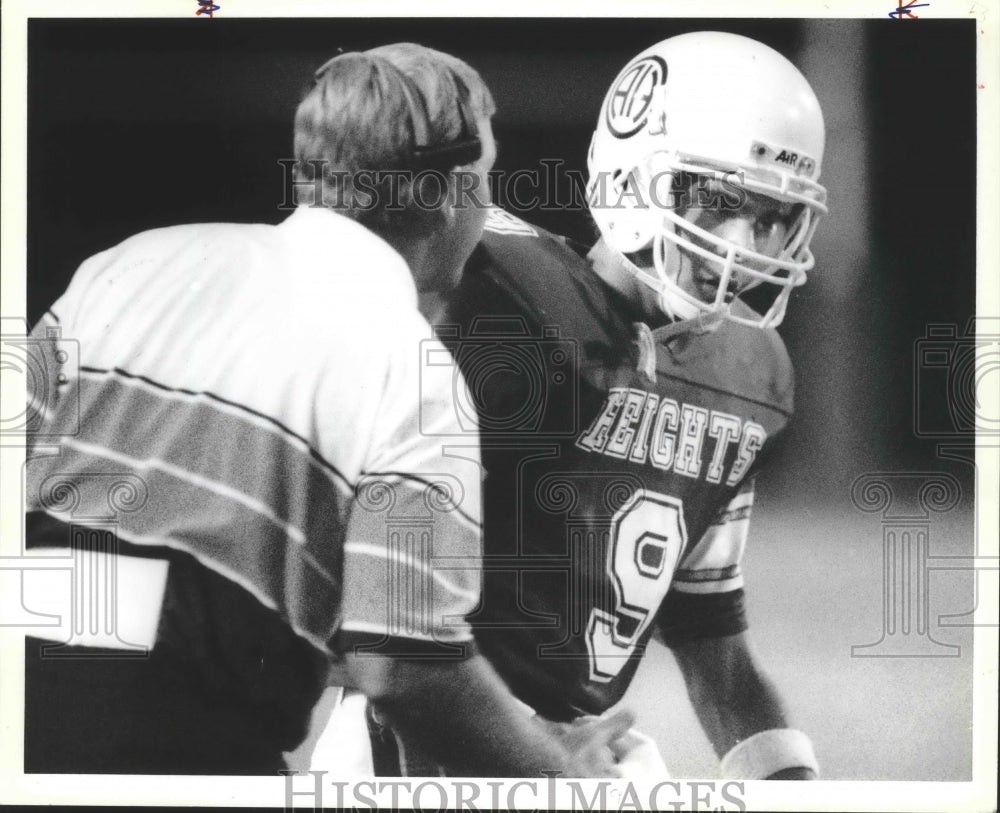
[(647, 537)]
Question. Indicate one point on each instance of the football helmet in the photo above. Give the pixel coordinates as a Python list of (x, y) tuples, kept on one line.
[(717, 105)]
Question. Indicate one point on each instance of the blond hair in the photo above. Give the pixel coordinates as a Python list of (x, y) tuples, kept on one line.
[(357, 130)]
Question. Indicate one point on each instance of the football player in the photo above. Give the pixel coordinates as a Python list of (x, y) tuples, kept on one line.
[(628, 394)]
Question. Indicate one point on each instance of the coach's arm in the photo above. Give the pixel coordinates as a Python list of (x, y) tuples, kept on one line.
[(462, 715), (735, 701)]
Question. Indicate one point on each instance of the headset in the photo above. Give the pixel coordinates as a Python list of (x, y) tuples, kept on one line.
[(463, 150)]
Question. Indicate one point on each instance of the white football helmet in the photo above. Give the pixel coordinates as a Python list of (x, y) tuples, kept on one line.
[(714, 104)]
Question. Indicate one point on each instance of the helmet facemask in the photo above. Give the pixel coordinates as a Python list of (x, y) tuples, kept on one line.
[(659, 193)]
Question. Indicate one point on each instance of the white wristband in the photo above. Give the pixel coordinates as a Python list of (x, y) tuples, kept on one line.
[(768, 752)]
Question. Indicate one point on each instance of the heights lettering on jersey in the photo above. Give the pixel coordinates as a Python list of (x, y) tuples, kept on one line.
[(643, 427)]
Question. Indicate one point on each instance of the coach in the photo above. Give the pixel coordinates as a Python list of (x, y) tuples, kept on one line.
[(293, 519)]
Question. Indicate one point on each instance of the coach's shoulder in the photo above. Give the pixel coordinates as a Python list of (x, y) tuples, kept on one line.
[(335, 236), (338, 255)]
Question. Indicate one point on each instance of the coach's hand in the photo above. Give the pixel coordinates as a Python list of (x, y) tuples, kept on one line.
[(593, 743), (461, 716)]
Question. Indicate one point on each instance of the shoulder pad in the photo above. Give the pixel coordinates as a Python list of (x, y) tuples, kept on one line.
[(747, 361), (500, 222), (551, 281)]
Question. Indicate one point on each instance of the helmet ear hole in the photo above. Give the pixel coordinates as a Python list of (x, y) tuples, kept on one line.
[(625, 213)]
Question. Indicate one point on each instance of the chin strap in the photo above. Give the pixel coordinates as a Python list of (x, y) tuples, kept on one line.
[(650, 281), (701, 320), (646, 347)]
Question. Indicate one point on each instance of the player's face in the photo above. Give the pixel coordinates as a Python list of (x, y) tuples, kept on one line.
[(761, 224), (471, 202)]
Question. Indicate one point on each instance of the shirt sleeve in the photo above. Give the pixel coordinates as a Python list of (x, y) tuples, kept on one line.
[(706, 595), (412, 554)]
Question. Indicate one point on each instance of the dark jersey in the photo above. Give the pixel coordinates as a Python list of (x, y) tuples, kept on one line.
[(619, 467)]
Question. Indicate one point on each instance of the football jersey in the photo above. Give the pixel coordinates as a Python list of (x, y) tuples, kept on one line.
[(249, 408), (619, 464)]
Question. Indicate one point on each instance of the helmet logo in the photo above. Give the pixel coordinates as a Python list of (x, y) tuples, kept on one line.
[(632, 96)]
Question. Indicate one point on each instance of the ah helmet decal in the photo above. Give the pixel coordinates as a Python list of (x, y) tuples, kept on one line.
[(633, 94)]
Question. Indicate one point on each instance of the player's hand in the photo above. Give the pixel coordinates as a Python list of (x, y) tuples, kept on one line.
[(592, 743)]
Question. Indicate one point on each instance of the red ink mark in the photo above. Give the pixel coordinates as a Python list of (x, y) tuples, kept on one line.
[(982, 87), (903, 12), (207, 7)]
